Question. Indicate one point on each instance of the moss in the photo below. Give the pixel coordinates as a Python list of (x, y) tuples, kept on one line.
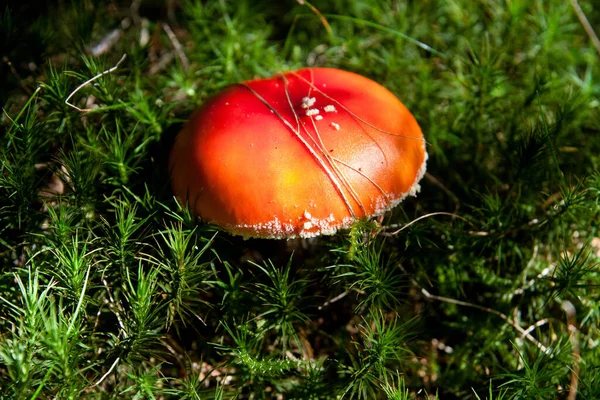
[(110, 289)]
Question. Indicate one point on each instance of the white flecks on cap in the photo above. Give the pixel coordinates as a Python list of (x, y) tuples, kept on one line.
[(307, 226), (416, 188), (329, 108), (335, 126), (319, 117), (308, 102), (312, 111)]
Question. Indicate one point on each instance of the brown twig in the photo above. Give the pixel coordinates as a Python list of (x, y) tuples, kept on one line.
[(176, 350), (536, 325), (336, 298), (106, 43), (135, 11), (509, 321), (177, 46), (586, 25), (161, 63), (16, 74), (423, 217), (114, 308), (575, 347), (318, 14), (544, 273), (439, 184)]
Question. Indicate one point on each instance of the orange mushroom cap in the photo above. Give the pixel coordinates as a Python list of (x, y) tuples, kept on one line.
[(298, 155)]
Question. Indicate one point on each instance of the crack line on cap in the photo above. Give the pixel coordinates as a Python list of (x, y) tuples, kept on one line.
[(321, 146), (313, 86), (338, 172), (363, 174), (329, 173)]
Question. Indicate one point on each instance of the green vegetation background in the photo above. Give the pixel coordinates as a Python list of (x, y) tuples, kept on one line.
[(109, 290)]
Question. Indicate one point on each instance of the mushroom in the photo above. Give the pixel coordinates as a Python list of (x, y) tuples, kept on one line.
[(300, 154)]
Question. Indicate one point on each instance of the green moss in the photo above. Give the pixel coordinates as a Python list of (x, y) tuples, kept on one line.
[(110, 289)]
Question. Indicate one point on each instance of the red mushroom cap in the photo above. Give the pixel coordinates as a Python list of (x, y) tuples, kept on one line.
[(298, 155)]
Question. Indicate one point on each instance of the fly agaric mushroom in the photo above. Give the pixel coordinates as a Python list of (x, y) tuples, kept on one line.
[(300, 154)]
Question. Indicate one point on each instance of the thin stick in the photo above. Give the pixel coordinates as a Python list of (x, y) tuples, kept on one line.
[(536, 325), (575, 347), (545, 272), (420, 218), (318, 14), (107, 42), (394, 32), (481, 308), (439, 184), (108, 71), (16, 75), (161, 63), (107, 373), (135, 11), (530, 262), (509, 321), (116, 308), (178, 48), (336, 298), (586, 25)]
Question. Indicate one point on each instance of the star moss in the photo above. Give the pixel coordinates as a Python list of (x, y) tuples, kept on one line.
[(483, 286)]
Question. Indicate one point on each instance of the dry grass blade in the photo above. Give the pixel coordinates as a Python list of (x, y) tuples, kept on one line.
[(509, 321), (569, 309), (586, 25), (424, 217), (178, 48), (108, 71), (318, 14)]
